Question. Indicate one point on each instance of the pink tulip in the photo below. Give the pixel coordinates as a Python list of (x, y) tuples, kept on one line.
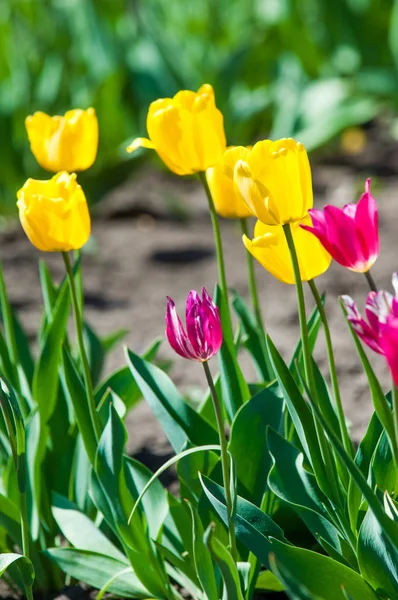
[(380, 330), (349, 234), (203, 336)]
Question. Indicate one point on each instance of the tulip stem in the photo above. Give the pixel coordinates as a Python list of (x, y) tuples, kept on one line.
[(332, 368), (252, 282), (79, 333), (370, 281), (224, 459), (219, 250), (327, 477), (301, 308)]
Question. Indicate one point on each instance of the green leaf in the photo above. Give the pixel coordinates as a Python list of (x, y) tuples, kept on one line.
[(75, 392), (254, 340), (227, 566), (293, 484), (123, 384), (252, 526), (165, 466), (235, 390), (97, 569), (179, 421), (95, 352), (202, 558), (378, 558), (80, 531), (320, 575), (389, 527), (300, 414), (45, 380), (248, 441), (23, 564), (362, 459), (154, 503), (313, 325), (380, 403), (293, 586), (269, 582)]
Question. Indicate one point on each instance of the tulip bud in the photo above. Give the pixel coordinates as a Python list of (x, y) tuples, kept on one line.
[(187, 131), (350, 233), (67, 143), (54, 213), (380, 330), (203, 336), (274, 180)]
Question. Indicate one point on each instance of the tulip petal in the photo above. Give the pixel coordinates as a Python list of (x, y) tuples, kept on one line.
[(367, 334), (389, 344), (175, 332), (140, 143)]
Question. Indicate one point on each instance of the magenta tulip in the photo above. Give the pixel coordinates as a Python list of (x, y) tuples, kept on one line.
[(380, 330), (203, 336), (349, 234)]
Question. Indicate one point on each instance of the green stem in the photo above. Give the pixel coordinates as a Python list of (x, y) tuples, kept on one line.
[(345, 437), (328, 478), (219, 249), (224, 458), (83, 355), (309, 376), (371, 281), (252, 281)]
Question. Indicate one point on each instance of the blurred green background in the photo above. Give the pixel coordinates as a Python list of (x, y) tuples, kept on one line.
[(309, 68)]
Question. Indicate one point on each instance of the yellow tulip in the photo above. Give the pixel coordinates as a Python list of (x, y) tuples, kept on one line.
[(227, 200), (270, 248), (275, 181), (186, 131), (54, 213), (67, 143)]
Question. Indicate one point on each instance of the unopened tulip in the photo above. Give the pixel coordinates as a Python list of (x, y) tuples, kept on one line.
[(67, 143), (203, 336), (274, 180), (227, 201), (269, 247), (187, 131), (380, 330), (350, 233), (54, 213)]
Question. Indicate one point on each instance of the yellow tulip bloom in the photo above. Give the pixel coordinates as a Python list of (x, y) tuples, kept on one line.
[(275, 181), (54, 213), (67, 143), (270, 248), (227, 200), (186, 131)]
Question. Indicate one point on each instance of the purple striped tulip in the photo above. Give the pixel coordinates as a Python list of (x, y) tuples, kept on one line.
[(349, 234), (203, 336), (380, 330)]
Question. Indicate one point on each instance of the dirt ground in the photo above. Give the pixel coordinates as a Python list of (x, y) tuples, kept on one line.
[(152, 238)]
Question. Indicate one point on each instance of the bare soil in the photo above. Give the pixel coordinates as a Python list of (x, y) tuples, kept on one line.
[(152, 237)]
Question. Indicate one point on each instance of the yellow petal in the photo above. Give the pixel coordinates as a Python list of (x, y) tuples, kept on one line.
[(227, 200), (140, 143), (255, 195), (65, 143), (187, 131), (280, 190), (270, 248), (54, 213)]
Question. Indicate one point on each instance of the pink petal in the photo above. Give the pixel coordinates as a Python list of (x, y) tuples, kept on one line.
[(175, 332), (389, 344), (366, 221), (366, 333)]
